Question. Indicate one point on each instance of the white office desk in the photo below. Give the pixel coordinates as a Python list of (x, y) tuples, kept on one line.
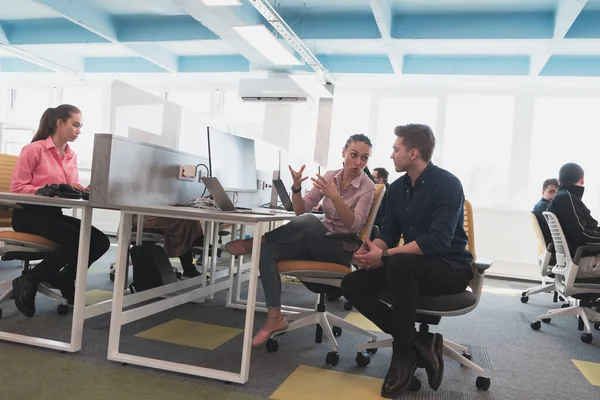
[(82, 264), (120, 317)]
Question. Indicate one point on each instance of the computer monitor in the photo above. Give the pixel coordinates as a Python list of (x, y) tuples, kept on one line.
[(232, 159)]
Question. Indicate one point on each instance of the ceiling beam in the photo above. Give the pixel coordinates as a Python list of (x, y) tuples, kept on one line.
[(220, 20), (51, 61), (566, 13), (383, 14), (101, 23)]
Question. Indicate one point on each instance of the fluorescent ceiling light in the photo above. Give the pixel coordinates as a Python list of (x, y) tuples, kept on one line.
[(259, 37), (311, 85), (222, 2)]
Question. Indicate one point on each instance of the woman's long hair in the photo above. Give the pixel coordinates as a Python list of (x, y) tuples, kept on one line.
[(49, 120)]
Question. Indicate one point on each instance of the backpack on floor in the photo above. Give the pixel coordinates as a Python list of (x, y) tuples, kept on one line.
[(151, 267)]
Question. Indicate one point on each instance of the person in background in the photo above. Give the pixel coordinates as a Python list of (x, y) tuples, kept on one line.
[(549, 189), (49, 159), (576, 220), (381, 176), (426, 207), (347, 195), (180, 236)]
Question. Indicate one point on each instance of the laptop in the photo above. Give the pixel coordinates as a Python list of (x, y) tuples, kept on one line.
[(283, 194), (223, 201), (285, 197)]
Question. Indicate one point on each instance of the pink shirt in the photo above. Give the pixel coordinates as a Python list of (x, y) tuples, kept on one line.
[(358, 197), (40, 164)]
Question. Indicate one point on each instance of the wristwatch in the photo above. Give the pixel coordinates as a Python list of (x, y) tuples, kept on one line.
[(384, 255), (294, 190)]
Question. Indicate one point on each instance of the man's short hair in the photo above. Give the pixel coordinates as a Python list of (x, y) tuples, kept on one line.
[(570, 173), (417, 136), (382, 173), (549, 182)]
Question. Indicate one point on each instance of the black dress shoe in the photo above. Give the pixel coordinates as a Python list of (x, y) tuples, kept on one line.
[(402, 368), (24, 291), (64, 281), (429, 348), (191, 272)]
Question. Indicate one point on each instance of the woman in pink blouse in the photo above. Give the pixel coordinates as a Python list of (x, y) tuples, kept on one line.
[(49, 159), (347, 195)]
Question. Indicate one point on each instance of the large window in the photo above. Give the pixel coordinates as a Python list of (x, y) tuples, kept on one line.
[(476, 145), (565, 130), (351, 114), (394, 111), (90, 102)]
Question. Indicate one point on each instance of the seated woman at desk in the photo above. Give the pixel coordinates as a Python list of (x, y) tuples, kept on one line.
[(180, 236), (347, 195), (49, 159)]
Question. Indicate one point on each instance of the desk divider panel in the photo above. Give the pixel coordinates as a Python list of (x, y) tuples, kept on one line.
[(128, 172)]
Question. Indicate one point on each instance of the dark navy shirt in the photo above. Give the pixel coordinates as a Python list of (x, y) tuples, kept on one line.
[(538, 210), (430, 213)]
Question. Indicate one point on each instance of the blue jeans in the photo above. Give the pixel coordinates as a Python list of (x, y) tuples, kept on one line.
[(300, 239)]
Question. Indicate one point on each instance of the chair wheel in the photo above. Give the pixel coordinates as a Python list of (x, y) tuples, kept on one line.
[(132, 288), (546, 320), (178, 275), (566, 305), (596, 325), (536, 325), (348, 306), (332, 358), (272, 345), (337, 331), (62, 309), (587, 338), (111, 275), (363, 359), (524, 299), (415, 384), (482, 383), (467, 356), (372, 351)]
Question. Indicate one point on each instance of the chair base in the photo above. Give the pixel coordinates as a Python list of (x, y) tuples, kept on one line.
[(324, 321), (549, 288), (586, 315)]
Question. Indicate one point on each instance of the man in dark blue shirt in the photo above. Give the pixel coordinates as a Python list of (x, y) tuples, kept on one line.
[(549, 189), (425, 207)]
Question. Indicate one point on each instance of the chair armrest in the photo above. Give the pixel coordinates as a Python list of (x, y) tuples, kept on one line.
[(481, 265), (345, 237), (10, 206), (586, 251)]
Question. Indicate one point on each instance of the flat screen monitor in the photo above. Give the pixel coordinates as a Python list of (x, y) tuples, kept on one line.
[(232, 159)]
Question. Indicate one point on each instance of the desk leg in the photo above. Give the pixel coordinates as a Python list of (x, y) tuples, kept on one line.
[(213, 260), (249, 325), (116, 317), (83, 257)]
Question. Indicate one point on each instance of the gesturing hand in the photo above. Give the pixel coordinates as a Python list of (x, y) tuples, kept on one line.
[(297, 176), (328, 188)]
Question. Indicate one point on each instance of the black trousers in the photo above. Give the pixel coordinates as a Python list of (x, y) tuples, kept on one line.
[(405, 276), (49, 222)]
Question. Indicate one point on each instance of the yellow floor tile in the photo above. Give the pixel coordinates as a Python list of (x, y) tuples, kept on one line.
[(97, 296), (189, 333), (315, 383), (361, 321), (590, 370)]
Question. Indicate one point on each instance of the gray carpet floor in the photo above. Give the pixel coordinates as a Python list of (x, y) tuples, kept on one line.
[(522, 363)]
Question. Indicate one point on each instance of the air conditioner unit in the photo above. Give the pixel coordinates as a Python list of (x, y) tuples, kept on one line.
[(272, 89)]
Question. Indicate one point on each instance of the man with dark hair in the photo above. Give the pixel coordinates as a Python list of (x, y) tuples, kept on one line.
[(426, 207), (577, 223), (381, 175), (549, 189)]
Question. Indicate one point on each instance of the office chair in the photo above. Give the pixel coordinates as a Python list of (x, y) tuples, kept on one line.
[(432, 308), (545, 262), (324, 278), (585, 290)]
